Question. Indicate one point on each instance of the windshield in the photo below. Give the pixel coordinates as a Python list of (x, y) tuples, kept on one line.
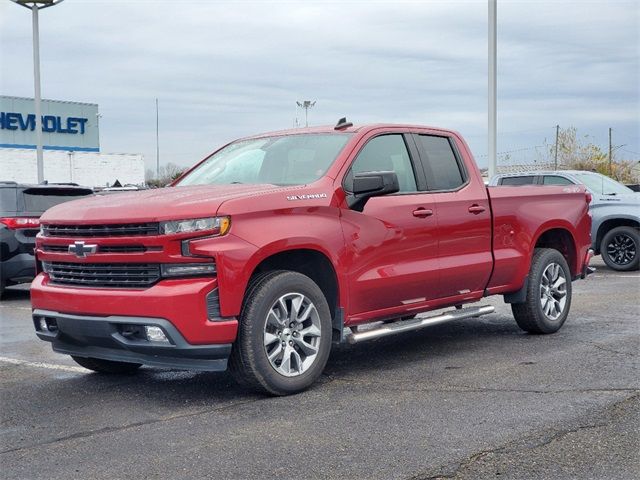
[(283, 160), (600, 184)]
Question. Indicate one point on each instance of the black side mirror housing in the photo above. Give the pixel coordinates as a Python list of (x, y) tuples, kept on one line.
[(371, 184)]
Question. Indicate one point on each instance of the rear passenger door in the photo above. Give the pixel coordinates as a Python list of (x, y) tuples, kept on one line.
[(463, 217)]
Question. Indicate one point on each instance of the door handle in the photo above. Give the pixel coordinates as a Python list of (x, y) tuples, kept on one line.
[(422, 213), (476, 209)]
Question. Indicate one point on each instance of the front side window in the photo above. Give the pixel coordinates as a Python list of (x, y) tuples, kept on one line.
[(445, 172), (283, 160), (386, 153), (524, 180)]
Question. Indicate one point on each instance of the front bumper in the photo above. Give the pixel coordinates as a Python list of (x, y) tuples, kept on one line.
[(106, 338), (182, 302)]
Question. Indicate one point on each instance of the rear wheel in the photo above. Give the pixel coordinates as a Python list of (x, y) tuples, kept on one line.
[(548, 299), (106, 366), (284, 336), (620, 248)]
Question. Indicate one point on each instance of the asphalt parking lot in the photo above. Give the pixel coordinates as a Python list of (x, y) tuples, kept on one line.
[(470, 399)]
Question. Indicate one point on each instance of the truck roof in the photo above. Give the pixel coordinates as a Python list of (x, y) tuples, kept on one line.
[(351, 129)]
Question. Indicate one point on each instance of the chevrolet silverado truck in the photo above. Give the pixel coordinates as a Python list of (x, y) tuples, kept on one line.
[(277, 245)]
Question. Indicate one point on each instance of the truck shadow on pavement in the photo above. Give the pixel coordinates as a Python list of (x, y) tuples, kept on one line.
[(430, 354)]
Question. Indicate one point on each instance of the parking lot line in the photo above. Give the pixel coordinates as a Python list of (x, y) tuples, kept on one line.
[(14, 308), (50, 366)]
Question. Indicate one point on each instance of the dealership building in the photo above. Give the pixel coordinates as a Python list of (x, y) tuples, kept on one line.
[(71, 145)]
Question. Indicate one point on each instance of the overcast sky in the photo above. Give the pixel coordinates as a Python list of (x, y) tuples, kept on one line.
[(227, 69)]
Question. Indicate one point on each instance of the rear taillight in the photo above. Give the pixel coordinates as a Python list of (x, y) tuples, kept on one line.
[(17, 223)]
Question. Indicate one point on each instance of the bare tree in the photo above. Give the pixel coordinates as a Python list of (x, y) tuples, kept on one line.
[(168, 173)]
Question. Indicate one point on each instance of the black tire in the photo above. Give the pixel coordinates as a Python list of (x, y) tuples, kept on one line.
[(617, 245), (530, 315), (249, 363), (106, 366)]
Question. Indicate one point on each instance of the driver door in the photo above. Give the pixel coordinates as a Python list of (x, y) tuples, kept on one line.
[(392, 245)]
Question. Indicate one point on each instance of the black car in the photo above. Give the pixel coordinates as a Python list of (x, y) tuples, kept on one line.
[(20, 209)]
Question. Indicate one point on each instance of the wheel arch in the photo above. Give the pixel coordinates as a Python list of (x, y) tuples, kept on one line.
[(611, 223), (559, 238), (311, 262)]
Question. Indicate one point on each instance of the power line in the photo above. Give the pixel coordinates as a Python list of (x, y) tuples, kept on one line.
[(514, 151)]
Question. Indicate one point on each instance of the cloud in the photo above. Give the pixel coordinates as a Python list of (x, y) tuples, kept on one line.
[(227, 69)]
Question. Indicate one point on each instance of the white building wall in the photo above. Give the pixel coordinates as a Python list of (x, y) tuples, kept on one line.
[(84, 168)]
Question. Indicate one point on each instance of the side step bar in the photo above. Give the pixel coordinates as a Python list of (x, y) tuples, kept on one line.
[(416, 323)]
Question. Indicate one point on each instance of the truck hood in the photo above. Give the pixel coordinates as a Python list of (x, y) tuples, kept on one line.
[(171, 203), (629, 200)]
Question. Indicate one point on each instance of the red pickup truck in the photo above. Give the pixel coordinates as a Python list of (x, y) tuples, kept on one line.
[(277, 245)]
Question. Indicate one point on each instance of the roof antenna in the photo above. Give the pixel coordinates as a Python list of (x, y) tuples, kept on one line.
[(342, 124)]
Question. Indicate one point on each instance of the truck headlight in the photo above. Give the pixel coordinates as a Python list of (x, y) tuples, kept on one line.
[(214, 225)]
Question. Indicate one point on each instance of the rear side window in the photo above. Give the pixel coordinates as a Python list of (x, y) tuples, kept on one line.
[(38, 200), (443, 169), (525, 180), (556, 180), (386, 153)]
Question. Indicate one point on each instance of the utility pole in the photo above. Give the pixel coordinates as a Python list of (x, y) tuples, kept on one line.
[(306, 104), (555, 162), (157, 142), (492, 117), (610, 153)]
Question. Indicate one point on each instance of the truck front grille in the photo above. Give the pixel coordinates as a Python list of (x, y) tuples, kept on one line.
[(106, 275), (104, 248), (119, 230)]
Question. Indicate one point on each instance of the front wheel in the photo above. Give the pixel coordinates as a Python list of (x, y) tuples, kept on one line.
[(619, 249), (548, 299), (284, 334)]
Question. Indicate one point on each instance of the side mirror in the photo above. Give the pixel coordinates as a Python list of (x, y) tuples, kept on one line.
[(371, 184)]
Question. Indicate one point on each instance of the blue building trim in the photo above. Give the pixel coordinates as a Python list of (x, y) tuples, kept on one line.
[(51, 147)]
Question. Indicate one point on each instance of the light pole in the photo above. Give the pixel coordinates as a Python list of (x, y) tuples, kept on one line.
[(306, 104), (493, 8), (35, 6)]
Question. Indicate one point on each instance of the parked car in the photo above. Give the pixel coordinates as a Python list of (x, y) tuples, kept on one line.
[(275, 245), (20, 208), (615, 210)]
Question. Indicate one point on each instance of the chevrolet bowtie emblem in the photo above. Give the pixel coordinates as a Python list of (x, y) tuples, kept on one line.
[(80, 250)]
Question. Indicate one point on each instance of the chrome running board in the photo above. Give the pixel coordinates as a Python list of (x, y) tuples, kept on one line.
[(416, 323)]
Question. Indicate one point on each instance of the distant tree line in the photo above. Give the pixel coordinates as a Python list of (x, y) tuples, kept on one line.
[(580, 153), (167, 174)]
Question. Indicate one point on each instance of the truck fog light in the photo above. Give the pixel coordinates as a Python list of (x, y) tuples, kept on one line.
[(42, 323), (155, 334), (188, 269)]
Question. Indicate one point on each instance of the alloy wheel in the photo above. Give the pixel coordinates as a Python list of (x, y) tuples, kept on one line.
[(621, 249), (553, 291), (292, 333)]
